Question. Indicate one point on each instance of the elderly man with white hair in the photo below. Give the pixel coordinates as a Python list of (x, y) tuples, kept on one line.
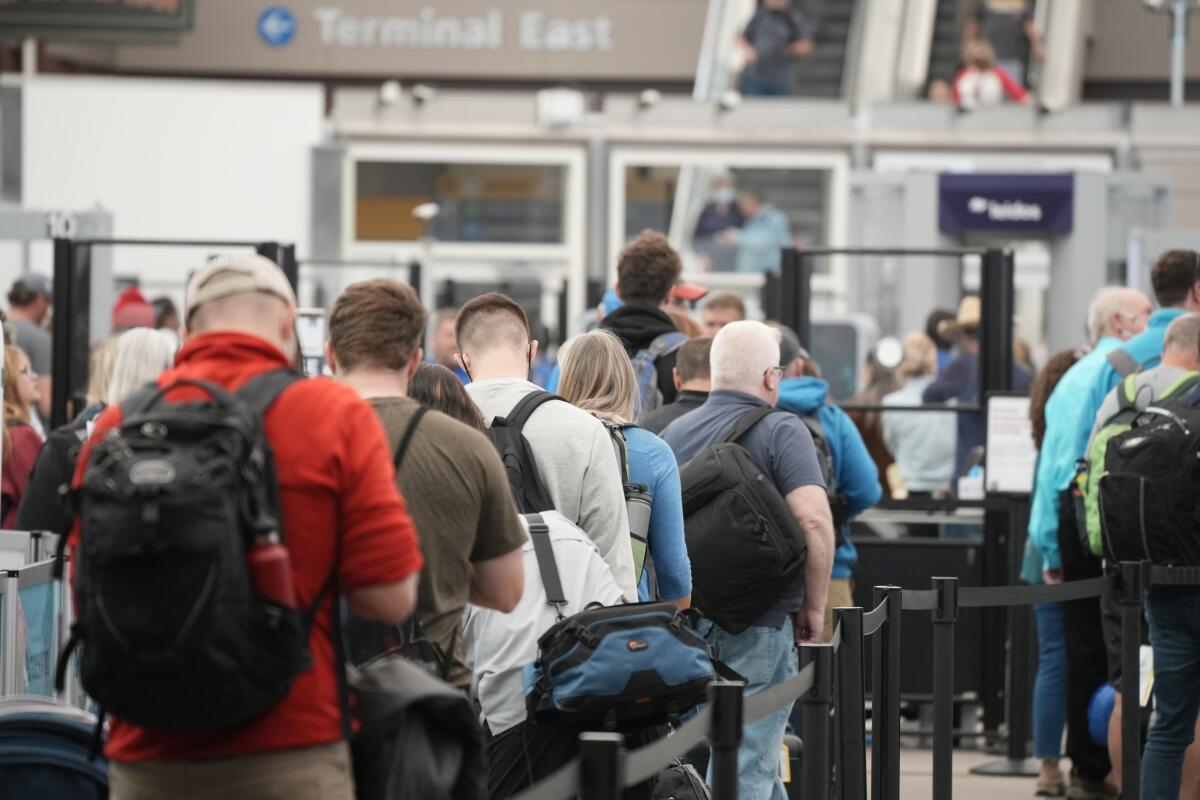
[(745, 377)]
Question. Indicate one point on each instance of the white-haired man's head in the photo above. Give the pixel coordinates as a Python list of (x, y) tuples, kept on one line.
[(745, 358), (1181, 343), (1117, 311)]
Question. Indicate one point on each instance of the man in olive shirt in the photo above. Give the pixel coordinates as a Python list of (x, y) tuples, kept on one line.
[(450, 475)]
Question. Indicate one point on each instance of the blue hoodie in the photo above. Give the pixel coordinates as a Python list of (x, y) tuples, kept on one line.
[(857, 475)]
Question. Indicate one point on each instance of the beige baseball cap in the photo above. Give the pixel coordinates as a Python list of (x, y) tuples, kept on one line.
[(236, 274)]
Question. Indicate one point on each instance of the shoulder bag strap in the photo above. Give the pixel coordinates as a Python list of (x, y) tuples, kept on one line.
[(539, 534), (1127, 393), (261, 391), (1122, 362), (745, 422), (521, 412), (621, 447), (406, 439)]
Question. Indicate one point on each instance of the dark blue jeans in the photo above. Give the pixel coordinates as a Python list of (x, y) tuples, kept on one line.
[(1174, 615), (1050, 686)]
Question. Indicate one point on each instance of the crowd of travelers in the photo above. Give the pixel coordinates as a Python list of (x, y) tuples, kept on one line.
[(448, 510)]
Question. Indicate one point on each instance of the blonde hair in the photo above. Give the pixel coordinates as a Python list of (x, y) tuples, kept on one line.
[(685, 323), (140, 356), (100, 366), (920, 357), (597, 376), (14, 406)]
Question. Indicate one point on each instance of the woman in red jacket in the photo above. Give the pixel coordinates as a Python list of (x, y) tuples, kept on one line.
[(21, 441)]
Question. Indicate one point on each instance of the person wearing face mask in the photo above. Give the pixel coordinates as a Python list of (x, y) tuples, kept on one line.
[(721, 213)]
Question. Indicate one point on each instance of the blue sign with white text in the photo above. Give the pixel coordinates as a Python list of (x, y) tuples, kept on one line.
[(1033, 204), (276, 26)]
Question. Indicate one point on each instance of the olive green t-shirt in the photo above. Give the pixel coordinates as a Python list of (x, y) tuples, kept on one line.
[(458, 496)]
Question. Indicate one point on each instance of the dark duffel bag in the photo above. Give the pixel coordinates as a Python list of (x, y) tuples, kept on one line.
[(44, 751)]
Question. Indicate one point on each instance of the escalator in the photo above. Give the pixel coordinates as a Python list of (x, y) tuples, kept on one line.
[(947, 40), (823, 72)]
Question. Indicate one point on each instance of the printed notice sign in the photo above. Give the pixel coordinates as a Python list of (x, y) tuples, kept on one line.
[(1010, 455)]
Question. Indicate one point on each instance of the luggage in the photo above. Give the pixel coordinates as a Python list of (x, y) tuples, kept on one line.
[(679, 781), (528, 490), (1095, 464), (1148, 504), (745, 546), (837, 499), (44, 751), (624, 667), (644, 369), (419, 737), (185, 607)]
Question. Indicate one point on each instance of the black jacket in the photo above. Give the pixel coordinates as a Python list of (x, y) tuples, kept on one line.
[(638, 326), (658, 420)]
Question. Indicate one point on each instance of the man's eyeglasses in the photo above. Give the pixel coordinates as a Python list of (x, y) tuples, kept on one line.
[(777, 370)]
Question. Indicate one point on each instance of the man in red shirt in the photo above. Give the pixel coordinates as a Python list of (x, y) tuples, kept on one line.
[(341, 510)]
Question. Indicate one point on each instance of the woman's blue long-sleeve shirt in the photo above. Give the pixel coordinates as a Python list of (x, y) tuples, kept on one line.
[(652, 463)]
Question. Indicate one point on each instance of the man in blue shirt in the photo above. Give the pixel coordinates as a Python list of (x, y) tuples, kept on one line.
[(746, 376), (1114, 316), (854, 472), (762, 236)]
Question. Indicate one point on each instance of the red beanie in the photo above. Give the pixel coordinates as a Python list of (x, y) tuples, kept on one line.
[(132, 311)]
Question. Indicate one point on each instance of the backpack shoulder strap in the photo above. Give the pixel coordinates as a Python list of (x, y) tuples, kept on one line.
[(521, 412), (1127, 393), (745, 422), (137, 401), (621, 446), (1122, 362), (666, 343), (261, 391), (406, 439), (539, 534), (1180, 385)]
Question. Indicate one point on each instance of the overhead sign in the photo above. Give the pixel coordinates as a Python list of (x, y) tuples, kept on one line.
[(93, 17), (501, 39), (1033, 204)]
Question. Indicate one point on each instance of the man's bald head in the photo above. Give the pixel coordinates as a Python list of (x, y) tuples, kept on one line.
[(745, 358), (1181, 343)]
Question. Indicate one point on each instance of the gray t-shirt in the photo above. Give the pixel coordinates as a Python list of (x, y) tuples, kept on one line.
[(1148, 387), (780, 445), (36, 343), (574, 455)]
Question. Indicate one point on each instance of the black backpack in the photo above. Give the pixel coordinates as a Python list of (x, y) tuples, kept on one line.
[(745, 546), (528, 491), (837, 500), (1149, 506), (175, 636)]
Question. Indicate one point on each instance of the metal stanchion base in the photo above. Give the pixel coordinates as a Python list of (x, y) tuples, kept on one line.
[(1009, 767)]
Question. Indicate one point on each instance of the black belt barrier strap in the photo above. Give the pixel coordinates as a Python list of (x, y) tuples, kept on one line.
[(646, 762), (562, 785), (1175, 576), (873, 620), (778, 696), (988, 596), (919, 599)]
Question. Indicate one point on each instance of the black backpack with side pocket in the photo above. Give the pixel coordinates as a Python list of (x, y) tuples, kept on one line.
[(176, 638), (528, 491), (745, 545)]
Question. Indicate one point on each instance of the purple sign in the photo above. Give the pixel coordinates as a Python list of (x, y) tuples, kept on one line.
[(1036, 204)]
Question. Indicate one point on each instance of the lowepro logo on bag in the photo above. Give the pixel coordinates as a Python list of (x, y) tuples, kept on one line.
[(637, 645), (158, 472)]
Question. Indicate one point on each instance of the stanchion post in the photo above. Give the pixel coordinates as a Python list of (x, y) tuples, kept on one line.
[(725, 736), (795, 289), (11, 669), (602, 766), (814, 778), (1130, 594), (851, 756), (945, 615), (885, 699)]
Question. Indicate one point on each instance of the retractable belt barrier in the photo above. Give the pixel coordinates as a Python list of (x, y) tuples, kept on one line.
[(831, 681)]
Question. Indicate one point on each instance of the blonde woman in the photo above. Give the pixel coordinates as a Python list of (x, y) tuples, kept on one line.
[(21, 441), (120, 364), (922, 442), (597, 376)]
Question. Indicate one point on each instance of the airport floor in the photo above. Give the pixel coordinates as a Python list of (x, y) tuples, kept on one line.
[(916, 777)]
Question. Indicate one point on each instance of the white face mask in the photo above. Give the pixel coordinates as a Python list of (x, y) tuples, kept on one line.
[(724, 196)]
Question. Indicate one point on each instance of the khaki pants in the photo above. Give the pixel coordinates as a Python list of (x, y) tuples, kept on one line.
[(311, 773), (840, 595)]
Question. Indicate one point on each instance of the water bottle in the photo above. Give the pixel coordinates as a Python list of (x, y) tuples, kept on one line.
[(270, 566), (637, 503)]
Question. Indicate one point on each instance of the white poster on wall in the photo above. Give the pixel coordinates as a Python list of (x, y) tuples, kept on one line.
[(1010, 456)]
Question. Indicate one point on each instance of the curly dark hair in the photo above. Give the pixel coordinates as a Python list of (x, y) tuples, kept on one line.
[(647, 269)]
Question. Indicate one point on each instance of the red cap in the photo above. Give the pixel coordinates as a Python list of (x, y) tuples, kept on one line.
[(691, 292), (132, 311)]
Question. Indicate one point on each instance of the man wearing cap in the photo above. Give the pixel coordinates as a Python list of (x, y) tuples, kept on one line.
[(647, 271), (29, 303), (340, 510), (959, 381)]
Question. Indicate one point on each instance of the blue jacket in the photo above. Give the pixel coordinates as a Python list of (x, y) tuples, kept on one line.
[(1069, 418), (857, 475)]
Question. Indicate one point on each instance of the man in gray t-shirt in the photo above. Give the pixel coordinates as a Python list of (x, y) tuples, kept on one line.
[(774, 38), (745, 376), (29, 303)]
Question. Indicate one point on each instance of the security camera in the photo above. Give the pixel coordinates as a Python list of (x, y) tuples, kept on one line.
[(389, 93), (730, 99), (649, 98), (423, 93), (426, 212)]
